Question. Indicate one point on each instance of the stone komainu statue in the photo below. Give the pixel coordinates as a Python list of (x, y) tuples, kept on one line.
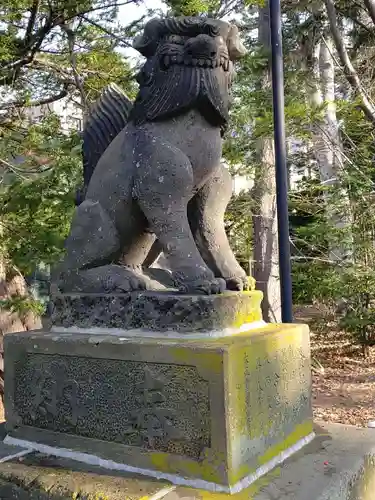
[(152, 169)]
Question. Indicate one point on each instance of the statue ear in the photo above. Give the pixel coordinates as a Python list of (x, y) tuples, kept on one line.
[(235, 47), (147, 43)]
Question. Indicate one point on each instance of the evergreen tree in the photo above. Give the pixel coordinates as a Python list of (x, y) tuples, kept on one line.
[(49, 50)]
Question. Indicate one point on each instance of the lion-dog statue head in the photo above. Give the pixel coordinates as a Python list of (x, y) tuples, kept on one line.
[(189, 65)]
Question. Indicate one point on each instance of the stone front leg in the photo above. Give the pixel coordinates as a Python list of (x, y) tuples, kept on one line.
[(206, 217), (162, 188)]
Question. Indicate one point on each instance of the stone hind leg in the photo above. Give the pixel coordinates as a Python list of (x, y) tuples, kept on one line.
[(206, 216), (92, 247), (139, 256), (138, 251)]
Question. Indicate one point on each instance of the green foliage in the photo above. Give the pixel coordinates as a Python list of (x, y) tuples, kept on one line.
[(22, 306), (239, 227), (36, 204), (50, 47), (188, 7), (315, 282), (358, 285), (348, 290), (214, 8), (104, 67), (318, 275)]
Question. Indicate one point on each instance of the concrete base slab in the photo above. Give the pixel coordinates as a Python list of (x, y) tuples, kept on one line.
[(44, 477), (338, 465), (8, 452)]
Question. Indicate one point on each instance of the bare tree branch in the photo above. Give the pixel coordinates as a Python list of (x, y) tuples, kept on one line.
[(12, 169), (39, 102), (35, 43), (115, 4), (226, 8), (65, 76), (357, 21), (349, 70), (105, 30), (370, 6), (54, 52), (73, 61), (31, 23)]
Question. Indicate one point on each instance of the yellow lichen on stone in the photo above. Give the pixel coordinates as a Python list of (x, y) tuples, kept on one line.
[(199, 358), (254, 313), (260, 373), (249, 493), (299, 433), (202, 469), (252, 371)]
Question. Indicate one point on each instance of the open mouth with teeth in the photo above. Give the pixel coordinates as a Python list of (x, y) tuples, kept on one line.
[(168, 60)]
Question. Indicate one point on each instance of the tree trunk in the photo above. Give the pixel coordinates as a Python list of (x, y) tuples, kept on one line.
[(329, 136), (12, 284), (327, 143), (11, 322), (266, 256)]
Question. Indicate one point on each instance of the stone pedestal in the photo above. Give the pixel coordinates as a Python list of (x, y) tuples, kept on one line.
[(210, 412), (160, 312)]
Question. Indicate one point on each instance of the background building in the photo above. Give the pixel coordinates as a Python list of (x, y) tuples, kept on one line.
[(70, 114)]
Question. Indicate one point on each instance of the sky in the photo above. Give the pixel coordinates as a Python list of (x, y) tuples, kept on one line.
[(131, 12)]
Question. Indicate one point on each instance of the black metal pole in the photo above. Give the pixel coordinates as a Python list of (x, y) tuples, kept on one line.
[(280, 159)]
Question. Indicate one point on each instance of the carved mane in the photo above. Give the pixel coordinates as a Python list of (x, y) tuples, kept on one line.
[(179, 90), (108, 116)]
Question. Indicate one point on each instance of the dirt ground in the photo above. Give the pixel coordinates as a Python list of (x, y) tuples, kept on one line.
[(343, 381)]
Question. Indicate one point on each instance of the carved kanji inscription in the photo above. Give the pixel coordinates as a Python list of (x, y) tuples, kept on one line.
[(149, 405), (49, 393), (153, 420)]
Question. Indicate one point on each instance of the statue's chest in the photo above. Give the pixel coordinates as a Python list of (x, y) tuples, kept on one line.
[(196, 138), (201, 143), (204, 153)]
